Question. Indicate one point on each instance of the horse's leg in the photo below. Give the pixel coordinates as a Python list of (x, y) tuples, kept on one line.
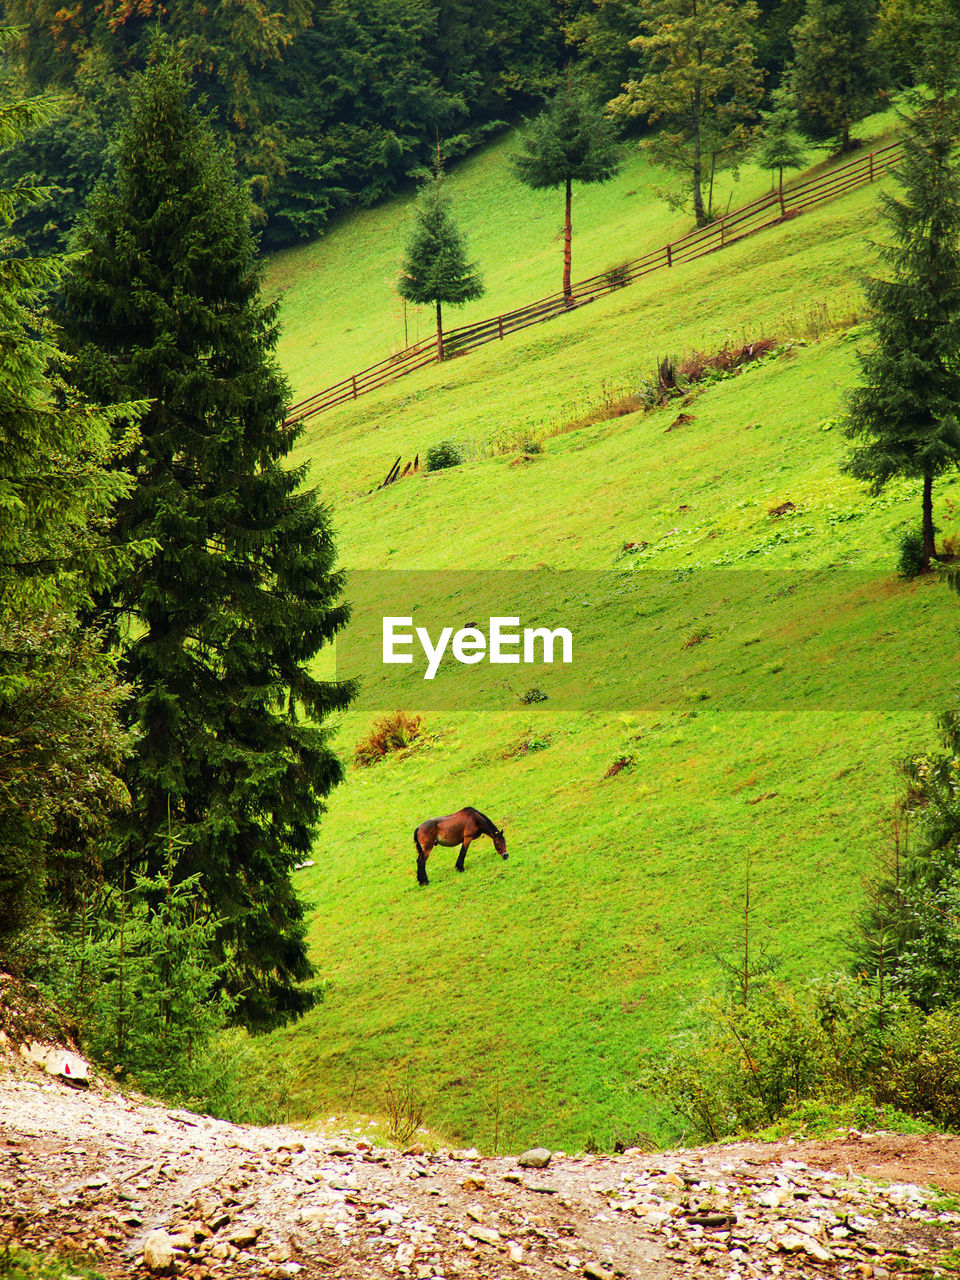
[(463, 851), (422, 855)]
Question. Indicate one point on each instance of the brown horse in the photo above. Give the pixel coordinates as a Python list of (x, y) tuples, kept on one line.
[(459, 828)]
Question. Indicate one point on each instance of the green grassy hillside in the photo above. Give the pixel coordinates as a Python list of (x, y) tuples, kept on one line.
[(760, 713)]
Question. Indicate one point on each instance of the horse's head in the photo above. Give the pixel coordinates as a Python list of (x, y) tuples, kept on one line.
[(500, 844)]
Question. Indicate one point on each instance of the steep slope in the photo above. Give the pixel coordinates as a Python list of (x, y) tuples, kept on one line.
[(764, 676)]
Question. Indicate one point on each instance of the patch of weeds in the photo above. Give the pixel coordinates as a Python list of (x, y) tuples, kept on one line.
[(817, 1118), (619, 765), (526, 744), (25, 1264), (524, 440), (405, 1107), (697, 637), (816, 323), (394, 732), (532, 695)]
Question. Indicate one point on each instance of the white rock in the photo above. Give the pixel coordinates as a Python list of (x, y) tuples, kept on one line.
[(535, 1158), (486, 1235), (158, 1252)]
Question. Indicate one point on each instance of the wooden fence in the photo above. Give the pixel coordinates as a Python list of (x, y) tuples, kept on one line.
[(768, 210)]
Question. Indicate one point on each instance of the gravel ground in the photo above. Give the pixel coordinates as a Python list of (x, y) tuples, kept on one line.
[(115, 1176)]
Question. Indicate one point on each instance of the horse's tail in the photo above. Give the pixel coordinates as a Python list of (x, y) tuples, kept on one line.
[(416, 840)]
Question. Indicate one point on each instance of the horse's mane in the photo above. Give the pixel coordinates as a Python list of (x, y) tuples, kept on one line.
[(489, 828)]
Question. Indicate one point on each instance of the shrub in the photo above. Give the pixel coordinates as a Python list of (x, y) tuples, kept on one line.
[(617, 277), (393, 732), (920, 1073), (749, 1064), (445, 453), (532, 695), (523, 439), (910, 559)]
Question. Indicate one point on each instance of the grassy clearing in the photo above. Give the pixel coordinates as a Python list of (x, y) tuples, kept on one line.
[(516, 999), (340, 309)]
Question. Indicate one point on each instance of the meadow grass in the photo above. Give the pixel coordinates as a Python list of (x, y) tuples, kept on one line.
[(519, 998), (341, 311)]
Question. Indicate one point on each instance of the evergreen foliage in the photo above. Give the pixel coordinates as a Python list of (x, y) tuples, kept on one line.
[(435, 267), (216, 631), (226, 47), (702, 86), (910, 931), (60, 741), (570, 141), (326, 102), (904, 414), (779, 147), (835, 77)]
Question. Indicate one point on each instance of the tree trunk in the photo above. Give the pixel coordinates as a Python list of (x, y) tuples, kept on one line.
[(439, 332), (698, 210), (929, 543), (567, 245)]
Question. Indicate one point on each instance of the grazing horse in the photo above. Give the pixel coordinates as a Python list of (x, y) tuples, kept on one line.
[(459, 828)]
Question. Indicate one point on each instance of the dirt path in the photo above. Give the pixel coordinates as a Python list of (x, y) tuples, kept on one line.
[(100, 1171)]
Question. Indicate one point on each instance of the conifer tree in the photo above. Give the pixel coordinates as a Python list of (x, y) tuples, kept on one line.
[(218, 628), (835, 77), (60, 739), (779, 148), (904, 415), (570, 141), (435, 267)]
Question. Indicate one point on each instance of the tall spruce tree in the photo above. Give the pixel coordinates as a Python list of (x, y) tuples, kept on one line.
[(218, 629), (570, 141), (60, 739), (904, 415), (835, 77), (435, 267)]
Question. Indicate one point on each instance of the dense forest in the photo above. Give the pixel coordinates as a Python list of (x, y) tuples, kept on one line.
[(339, 102)]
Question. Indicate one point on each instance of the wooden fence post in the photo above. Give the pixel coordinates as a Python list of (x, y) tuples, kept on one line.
[(354, 381), (871, 166), (669, 257), (500, 326)]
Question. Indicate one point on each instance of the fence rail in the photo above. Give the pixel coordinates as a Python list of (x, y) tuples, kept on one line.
[(766, 211)]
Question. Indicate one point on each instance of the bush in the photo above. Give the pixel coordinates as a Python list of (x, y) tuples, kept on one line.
[(750, 1064), (617, 277), (910, 559), (390, 733), (445, 453), (920, 1072)]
